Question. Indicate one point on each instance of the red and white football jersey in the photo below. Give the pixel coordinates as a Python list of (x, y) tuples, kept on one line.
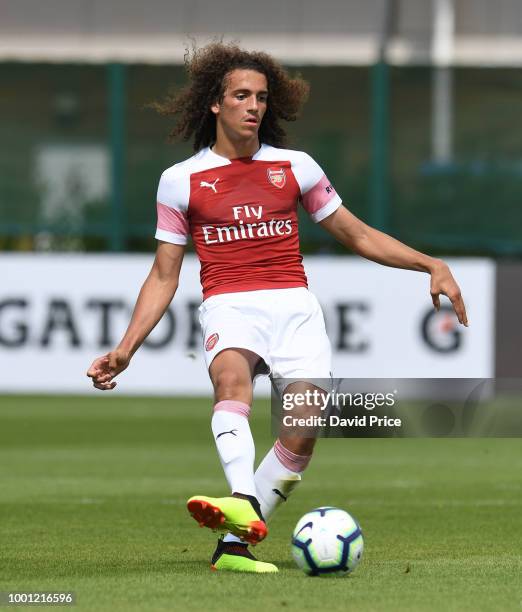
[(242, 215)]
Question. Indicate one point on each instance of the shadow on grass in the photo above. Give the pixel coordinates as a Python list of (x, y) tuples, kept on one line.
[(47, 568)]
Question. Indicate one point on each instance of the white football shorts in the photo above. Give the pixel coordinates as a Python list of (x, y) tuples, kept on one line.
[(285, 327)]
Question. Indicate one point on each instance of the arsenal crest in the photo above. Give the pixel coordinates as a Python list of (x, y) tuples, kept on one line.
[(277, 177), (211, 342)]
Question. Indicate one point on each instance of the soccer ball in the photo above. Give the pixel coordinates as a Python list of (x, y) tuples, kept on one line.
[(327, 541)]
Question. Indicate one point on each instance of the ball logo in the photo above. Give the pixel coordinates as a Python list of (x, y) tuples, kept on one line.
[(211, 342), (277, 177)]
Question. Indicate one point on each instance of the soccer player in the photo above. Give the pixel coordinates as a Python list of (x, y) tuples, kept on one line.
[(237, 198)]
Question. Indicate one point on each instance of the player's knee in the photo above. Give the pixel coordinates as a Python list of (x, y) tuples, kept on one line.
[(229, 385)]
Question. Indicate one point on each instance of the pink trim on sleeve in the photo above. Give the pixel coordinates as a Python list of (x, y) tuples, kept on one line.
[(319, 196), (172, 220)]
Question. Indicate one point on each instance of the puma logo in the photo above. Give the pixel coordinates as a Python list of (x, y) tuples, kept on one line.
[(225, 432), (278, 492), (209, 185)]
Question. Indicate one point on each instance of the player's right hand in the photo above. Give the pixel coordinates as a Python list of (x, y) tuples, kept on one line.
[(105, 368)]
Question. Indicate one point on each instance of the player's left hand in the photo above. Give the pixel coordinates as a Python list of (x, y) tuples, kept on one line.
[(442, 282)]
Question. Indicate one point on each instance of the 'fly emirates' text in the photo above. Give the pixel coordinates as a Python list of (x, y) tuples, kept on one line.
[(245, 229)]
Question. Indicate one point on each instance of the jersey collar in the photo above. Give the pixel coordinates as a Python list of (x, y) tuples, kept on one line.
[(256, 155)]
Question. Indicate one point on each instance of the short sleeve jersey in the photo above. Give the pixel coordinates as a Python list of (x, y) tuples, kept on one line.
[(242, 215)]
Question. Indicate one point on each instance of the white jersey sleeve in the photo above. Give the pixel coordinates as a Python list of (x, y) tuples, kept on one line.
[(318, 196), (172, 204)]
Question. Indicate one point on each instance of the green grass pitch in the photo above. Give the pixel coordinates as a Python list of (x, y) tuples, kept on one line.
[(92, 500)]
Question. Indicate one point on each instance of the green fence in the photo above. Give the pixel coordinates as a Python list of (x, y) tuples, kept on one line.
[(81, 155)]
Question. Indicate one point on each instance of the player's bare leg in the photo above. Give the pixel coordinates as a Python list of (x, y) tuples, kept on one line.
[(297, 445), (302, 441), (282, 468), (231, 373)]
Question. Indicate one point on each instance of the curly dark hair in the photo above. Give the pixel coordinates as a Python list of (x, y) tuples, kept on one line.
[(207, 69)]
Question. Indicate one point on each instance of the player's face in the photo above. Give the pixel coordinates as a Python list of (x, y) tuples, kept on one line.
[(240, 112)]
